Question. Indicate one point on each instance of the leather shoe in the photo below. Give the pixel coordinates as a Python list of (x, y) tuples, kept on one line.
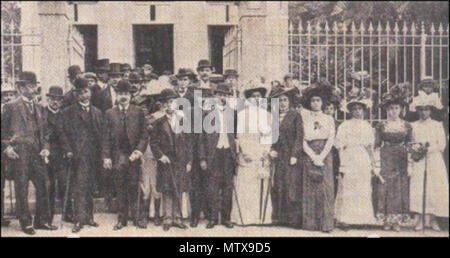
[(93, 224), (29, 231), (158, 221), (179, 225), (211, 224), (194, 223), (119, 226), (5, 223), (141, 224), (228, 224), (46, 227), (77, 227), (68, 219), (166, 227)]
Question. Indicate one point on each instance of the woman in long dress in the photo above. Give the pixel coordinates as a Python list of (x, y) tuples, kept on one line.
[(318, 183), (286, 155), (253, 137), (392, 187), (354, 140), (430, 131)]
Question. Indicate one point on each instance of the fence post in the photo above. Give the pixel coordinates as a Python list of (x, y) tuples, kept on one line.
[(423, 42)]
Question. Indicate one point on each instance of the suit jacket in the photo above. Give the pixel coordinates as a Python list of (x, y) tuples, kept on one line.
[(105, 99), (290, 139), (69, 99), (208, 143), (53, 121), (177, 147), (136, 130), (96, 91), (70, 132), (16, 128)]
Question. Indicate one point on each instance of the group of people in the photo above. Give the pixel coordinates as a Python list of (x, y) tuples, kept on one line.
[(116, 134)]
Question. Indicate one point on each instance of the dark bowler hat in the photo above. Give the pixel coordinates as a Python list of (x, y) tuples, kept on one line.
[(114, 69), (80, 83), (182, 72), (27, 77), (125, 67), (73, 71), (248, 93), (230, 72), (55, 91), (224, 88), (135, 77), (204, 63), (102, 65), (167, 94), (123, 86)]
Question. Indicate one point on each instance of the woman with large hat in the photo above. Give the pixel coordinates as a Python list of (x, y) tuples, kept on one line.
[(429, 144), (254, 141), (318, 183), (354, 140), (391, 139), (285, 154)]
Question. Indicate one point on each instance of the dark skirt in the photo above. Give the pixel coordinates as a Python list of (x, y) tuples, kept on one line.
[(318, 191)]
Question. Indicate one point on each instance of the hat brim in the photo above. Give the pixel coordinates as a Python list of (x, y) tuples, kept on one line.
[(249, 92), (204, 66), (54, 96), (352, 103), (289, 92)]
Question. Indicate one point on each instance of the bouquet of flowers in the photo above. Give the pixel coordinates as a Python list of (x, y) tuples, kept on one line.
[(418, 150)]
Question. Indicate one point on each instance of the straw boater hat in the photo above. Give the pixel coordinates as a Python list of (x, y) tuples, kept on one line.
[(8, 87), (397, 94), (90, 76)]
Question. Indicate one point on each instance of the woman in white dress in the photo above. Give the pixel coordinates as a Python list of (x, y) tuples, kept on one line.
[(355, 140), (430, 131), (253, 137)]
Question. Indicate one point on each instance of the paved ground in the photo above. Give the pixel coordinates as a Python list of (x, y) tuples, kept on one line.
[(107, 222)]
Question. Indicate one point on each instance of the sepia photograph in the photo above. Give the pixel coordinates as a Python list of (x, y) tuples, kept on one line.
[(225, 119)]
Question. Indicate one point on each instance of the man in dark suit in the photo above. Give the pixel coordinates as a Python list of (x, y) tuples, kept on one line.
[(205, 70), (81, 132), (23, 131), (124, 142), (101, 70), (74, 72), (171, 147), (218, 157), (56, 171)]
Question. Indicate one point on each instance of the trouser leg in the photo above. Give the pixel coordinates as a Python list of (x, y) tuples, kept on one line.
[(21, 190), (167, 203), (40, 179)]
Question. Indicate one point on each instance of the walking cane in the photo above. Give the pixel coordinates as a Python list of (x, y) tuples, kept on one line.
[(66, 193), (175, 188), (261, 190), (424, 201), (269, 188), (138, 213)]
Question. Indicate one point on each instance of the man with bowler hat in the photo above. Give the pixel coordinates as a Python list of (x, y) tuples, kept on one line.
[(124, 142), (23, 131), (218, 157), (74, 72), (205, 70), (81, 132)]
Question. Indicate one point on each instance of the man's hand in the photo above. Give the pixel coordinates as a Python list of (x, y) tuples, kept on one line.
[(164, 159), (107, 164), (44, 154), (293, 161), (203, 165), (135, 155), (69, 155), (10, 153), (273, 154), (188, 167)]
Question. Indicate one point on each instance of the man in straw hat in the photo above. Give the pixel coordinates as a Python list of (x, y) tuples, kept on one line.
[(171, 147), (124, 142), (81, 132), (26, 147)]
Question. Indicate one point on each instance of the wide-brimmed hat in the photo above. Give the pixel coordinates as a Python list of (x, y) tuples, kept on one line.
[(73, 71), (204, 63), (248, 93), (182, 72), (8, 87), (428, 81), (123, 86), (114, 69), (55, 91), (167, 94), (27, 77), (102, 65), (278, 91), (397, 94), (224, 88), (80, 83), (320, 89), (230, 72)]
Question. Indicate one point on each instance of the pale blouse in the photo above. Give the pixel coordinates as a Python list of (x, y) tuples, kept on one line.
[(354, 132), (430, 131)]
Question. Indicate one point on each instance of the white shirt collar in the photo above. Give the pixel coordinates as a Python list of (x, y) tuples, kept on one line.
[(52, 110), (122, 107), (28, 101)]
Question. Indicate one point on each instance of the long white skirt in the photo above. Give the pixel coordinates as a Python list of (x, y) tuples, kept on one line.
[(436, 189), (248, 188)]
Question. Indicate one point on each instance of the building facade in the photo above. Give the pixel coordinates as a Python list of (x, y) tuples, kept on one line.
[(168, 35)]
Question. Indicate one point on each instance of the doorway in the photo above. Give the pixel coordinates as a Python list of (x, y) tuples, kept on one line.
[(153, 44), (216, 39), (90, 38)]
